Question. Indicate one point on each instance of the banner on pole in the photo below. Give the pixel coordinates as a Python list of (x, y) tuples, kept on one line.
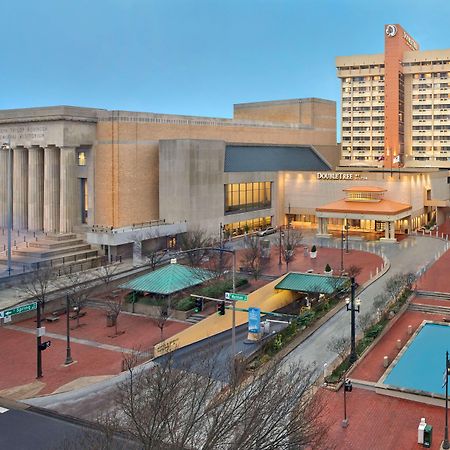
[(254, 320)]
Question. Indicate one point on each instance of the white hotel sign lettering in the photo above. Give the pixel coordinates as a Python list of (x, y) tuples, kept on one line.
[(339, 176)]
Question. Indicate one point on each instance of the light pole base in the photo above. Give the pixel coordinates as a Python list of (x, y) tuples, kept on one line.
[(69, 363), (345, 423), (444, 445)]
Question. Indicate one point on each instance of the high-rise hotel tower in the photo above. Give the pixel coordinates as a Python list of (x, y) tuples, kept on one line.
[(396, 105)]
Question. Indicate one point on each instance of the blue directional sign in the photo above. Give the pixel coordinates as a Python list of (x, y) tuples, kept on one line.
[(254, 320)]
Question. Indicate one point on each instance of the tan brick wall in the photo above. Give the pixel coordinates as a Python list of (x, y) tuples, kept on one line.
[(126, 158)]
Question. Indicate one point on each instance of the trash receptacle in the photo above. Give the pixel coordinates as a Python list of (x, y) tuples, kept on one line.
[(427, 436)]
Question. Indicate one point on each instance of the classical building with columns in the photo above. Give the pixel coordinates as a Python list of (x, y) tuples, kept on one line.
[(48, 148), (118, 177)]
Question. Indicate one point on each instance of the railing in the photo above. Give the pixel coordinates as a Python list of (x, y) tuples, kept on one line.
[(132, 227)]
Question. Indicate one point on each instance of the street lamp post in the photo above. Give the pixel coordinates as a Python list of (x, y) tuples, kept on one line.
[(352, 308), (342, 250), (69, 359), (7, 146), (346, 236), (445, 442), (347, 388)]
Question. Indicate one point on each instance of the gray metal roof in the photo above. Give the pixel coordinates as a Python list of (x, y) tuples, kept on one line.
[(271, 158)]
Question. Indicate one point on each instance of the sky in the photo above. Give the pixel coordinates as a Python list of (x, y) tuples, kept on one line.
[(194, 57)]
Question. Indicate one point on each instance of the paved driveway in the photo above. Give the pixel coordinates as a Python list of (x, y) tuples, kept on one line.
[(409, 255)]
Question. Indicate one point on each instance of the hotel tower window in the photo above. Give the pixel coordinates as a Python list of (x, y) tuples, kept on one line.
[(241, 197)]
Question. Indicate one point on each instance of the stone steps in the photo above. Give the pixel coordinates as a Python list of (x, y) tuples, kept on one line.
[(51, 253), (430, 309), (443, 295), (50, 244), (195, 318), (56, 251)]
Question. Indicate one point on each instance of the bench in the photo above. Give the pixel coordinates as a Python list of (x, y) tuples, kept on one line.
[(59, 312), (81, 314), (52, 318)]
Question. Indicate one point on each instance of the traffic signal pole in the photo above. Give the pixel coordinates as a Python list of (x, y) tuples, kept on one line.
[(38, 338)]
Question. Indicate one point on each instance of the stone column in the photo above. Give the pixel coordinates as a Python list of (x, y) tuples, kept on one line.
[(35, 188), (3, 188), (386, 230), (392, 230), (69, 200), (20, 189), (51, 189)]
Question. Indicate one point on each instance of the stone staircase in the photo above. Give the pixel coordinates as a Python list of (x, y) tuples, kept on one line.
[(195, 318), (443, 295), (54, 250), (430, 309)]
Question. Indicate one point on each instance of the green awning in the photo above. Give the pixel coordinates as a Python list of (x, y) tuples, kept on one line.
[(169, 279), (311, 282)]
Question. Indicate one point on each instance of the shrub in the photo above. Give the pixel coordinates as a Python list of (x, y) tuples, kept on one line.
[(306, 318), (185, 304), (327, 268), (313, 249)]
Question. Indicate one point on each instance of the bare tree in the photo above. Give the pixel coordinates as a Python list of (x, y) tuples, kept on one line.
[(252, 257), (180, 407), (195, 240), (339, 345), (37, 285), (106, 274), (290, 240), (78, 288), (161, 316), (113, 309), (353, 271), (365, 320)]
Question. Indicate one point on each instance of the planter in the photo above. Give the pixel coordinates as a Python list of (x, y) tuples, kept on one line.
[(313, 255), (329, 272)]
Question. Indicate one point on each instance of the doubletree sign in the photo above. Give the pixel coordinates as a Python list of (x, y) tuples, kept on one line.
[(18, 310)]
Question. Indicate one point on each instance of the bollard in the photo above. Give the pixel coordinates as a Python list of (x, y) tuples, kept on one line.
[(399, 344), (410, 330), (385, 362), (376, 272)]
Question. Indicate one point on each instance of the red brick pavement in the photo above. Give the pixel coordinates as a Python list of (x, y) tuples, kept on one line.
[(437, 277), (19, 349), (136, 331), (371, 367), (377, 422), (19, 361), (332, 256)]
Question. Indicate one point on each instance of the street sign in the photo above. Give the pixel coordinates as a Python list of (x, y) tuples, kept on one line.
[(40, 331), (236, 297), (18, 310), (254, 320)]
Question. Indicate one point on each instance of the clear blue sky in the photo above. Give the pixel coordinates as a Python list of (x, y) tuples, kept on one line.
[(194, 57)]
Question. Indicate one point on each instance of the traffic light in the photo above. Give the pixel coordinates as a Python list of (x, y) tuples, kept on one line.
[(45, 345), (221, 309), (198, 305)]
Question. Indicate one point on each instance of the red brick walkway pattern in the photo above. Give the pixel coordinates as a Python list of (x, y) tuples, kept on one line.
[(377, 422), (437, 278), (332, 256), (19, 349)]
